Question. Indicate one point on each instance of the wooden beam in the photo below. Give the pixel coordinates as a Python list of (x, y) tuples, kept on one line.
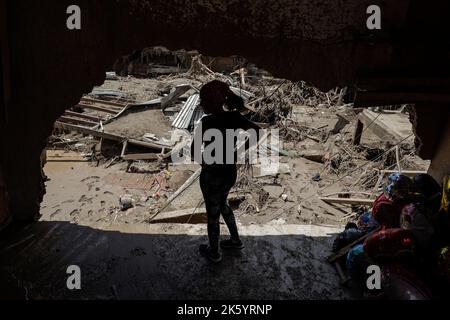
[(97, 108), (124, 148), (107, 136), (348, 201), (77, 121), (88, 131), (83, 116), (117, 105), (180, 190)]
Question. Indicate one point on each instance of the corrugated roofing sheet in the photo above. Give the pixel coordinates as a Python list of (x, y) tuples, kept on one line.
[(189, 113)]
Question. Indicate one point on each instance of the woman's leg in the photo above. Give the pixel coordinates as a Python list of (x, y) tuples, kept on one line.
[(228, 217), (213, 206), (213, 213), (227, 212)]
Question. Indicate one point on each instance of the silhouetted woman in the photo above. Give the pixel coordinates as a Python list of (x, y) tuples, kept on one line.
[(218, 177)]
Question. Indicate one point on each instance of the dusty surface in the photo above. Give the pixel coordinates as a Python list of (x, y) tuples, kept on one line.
[(136, 124), (80, 192), (162, 262)]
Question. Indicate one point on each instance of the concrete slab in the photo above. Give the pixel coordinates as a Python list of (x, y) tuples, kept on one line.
[(389, 125), (162, 262)]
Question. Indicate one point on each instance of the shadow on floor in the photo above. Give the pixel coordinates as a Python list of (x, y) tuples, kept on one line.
[(162, 262)]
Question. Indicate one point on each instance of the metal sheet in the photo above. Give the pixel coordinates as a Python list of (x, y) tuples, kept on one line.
[(185, 117)]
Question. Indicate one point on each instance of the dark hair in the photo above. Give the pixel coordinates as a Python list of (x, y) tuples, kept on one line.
[(215, 94)]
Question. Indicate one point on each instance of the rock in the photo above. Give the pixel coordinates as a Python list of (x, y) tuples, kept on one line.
[(126, 202)]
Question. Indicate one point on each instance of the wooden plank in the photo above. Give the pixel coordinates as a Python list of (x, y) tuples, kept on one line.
[(348, 200), (77, 121), (95, 133), (83, 116), (409, 173), (140, 156), (124, 148), (97, 108), (108, 136), (180, 190), (118, 105)]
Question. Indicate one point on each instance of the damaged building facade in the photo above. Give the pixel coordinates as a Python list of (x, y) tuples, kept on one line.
[(46, 68)]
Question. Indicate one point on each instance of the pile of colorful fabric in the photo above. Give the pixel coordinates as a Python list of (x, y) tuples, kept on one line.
[(411, 241)]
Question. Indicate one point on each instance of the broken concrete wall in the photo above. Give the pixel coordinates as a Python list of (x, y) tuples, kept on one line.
[(50, 67)]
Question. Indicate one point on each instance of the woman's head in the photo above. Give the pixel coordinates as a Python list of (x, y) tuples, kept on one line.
[(215, 94)]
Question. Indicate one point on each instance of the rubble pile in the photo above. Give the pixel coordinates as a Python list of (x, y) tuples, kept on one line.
[(98, 125), (334, 158)]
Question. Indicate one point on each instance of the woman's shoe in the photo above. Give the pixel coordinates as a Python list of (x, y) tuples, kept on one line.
[(206, 251)]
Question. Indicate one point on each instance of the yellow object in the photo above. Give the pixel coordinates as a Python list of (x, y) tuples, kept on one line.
[(445, 204)]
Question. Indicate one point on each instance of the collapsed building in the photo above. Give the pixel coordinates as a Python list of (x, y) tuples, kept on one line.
[(156, 61), (404, 63)]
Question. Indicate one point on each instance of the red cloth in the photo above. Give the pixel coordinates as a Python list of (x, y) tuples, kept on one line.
[(389, 243), (386, 212)]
